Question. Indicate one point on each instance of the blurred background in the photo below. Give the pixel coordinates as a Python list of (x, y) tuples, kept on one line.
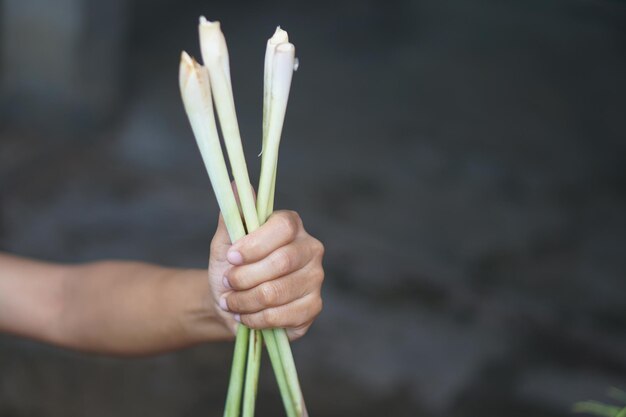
[(463, 162)]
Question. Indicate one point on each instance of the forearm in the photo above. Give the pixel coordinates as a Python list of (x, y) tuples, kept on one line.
[(137, 308), (31, 296), (113, 307)]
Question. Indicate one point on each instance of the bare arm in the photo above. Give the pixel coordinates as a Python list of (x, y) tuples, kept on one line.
[(112, 307), (270, 278)]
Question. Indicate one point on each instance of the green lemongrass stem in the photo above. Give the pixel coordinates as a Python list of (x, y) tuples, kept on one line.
[(270, 203), (280, 63), (283, 62), (215, 58), (236, 381), (277, 364), (255, 345), (196, 94), (289, 366)]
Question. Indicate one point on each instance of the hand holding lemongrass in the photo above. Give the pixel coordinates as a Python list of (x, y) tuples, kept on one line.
[(200, 86), (135, 308), (269, 278)]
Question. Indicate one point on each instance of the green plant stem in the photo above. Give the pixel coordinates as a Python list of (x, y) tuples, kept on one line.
[(291, 374), (255, 345), (235, 384), (617, 394), (215, 57), (279, 66), (196, 94), (277, 364)]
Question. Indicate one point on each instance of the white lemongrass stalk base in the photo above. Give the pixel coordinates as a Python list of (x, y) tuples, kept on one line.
[(196, 94), (280, 36), (280, 63), (281, 73), (195, 84), (215, 57)]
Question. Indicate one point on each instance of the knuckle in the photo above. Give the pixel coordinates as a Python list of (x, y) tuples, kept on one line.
[(268, 294), (271, 318), (299, 332), (318, 306), (318, 275), (236, 279), (282, 262), (290, 222), (250, 244), (318, 247), (233, 303), (248, 320), (301, 321), (215, 245)]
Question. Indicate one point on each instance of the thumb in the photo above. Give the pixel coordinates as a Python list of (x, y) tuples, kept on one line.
[(221, 241)]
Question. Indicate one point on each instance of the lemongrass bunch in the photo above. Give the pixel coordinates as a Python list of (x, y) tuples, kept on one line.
[(200, 86)]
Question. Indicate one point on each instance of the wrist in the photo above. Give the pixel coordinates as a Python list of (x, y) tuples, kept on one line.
[(201, 318)]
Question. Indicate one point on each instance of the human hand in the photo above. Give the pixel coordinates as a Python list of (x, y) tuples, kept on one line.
[(270, 278)]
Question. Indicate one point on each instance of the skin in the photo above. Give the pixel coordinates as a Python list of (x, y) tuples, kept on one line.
[(270, 278)]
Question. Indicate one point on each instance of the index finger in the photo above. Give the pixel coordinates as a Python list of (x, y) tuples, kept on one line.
[(280, 229)]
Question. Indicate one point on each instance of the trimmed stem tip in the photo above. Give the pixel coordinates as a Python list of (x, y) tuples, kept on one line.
[(215, 57), (195, 90), (279, 66)]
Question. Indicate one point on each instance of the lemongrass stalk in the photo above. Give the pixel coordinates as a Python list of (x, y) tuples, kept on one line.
[(283, 62), (270, 203), (280, 36), (255, 345), (215, 58), (196, 94), (252, 372), (279, 372), (280, 63), (236, 381), (291, 374)]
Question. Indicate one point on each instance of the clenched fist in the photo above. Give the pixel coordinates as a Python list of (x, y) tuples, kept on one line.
[(271, 278)]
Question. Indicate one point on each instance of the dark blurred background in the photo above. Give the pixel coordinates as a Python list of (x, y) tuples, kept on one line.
[(463, 162)]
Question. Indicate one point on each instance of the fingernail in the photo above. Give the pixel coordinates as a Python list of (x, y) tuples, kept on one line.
[(223, 303), (237, 318), (226, 283), (234, 257)]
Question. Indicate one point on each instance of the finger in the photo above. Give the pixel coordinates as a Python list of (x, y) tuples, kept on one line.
[(279, 263), (292, 315), (273, 293), (281, 228), (297, 332)]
